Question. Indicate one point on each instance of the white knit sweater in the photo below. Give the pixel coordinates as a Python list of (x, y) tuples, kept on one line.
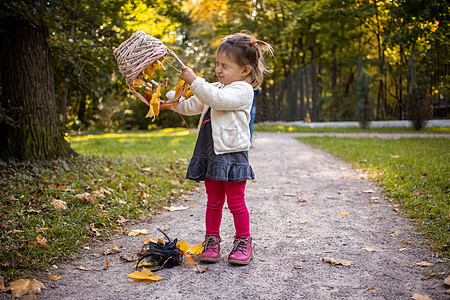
[(230, 112)]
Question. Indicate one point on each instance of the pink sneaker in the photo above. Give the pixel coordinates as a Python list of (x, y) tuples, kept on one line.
[(211, 248), (242, 252)]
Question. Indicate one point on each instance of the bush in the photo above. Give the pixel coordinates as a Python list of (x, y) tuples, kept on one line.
[(418, 107)]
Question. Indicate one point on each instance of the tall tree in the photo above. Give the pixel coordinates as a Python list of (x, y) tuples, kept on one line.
[(29, 127)]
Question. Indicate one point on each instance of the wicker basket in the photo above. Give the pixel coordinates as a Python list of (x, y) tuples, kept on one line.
[(137, 53)]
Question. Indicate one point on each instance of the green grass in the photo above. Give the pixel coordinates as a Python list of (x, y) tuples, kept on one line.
[(415, 172), (143, 172), (306, 129)]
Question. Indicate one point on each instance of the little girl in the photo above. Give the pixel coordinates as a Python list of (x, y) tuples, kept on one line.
[(220, 156)]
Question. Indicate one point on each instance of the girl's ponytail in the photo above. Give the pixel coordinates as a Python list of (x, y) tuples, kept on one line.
[(245, 49)]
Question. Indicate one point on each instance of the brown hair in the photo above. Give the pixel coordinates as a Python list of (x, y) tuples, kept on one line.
[(245, 49)]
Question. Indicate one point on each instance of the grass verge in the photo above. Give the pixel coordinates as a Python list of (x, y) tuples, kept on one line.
[(414, 172), (305, 129), (46, 214)]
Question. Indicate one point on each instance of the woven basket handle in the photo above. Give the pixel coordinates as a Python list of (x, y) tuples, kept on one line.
[(170, 51)]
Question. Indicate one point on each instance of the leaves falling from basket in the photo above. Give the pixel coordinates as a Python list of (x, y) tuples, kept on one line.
[(140, 56)]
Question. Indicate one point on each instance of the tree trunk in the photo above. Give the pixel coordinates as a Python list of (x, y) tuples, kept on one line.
[(28, 95), (302, 95), (334, 85), (315, 91)]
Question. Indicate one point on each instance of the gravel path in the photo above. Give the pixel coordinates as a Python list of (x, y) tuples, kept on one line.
[(305, 206)]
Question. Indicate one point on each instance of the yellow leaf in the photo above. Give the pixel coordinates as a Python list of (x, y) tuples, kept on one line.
[(157, 240), (154, 104), (145, 264), (145, 274), (150, 70), (343, 214), (23, 287), (54, 277), (188, 93), (137, 232), (194, 250), (138, 82), (178, 89), (106, 263)]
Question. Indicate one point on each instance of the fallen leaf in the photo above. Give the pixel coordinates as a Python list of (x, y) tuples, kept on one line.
[(189, 258), (368, 249), (194, 250), (298, 267), (59, 204), (89, 269), (137, 232), (106, 263), (447, 280), (148, 240), (289, 195), (121, 220), (343, 214), (299, 199), (145, 274), (2, 285), (394, 233), (401, 249), (368, 191), (420, 297), (425, 264), (175, 208), (338, 261), (148, 169), (54, 277), (370, 288), (201, 270), (21, 287), (130, 257), (85, 197), (406, 242), (39, 242), (113, 250), (145, 264)]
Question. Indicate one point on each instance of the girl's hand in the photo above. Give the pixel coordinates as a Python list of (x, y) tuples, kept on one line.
[(188, 75)]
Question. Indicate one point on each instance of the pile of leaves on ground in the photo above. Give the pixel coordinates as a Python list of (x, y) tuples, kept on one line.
[(49, 209)]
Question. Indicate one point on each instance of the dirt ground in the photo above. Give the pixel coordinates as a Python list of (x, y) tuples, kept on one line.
[(305, 206)]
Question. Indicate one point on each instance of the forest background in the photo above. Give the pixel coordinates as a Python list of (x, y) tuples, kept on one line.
[(334, 60)]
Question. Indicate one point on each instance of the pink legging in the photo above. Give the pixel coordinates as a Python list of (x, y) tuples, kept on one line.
[(235, 194)]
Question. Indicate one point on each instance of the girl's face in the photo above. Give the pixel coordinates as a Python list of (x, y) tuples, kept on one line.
[(229, 71)]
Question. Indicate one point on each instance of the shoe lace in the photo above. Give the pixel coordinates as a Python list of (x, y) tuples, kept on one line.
[(241, 245), (211, 242)]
